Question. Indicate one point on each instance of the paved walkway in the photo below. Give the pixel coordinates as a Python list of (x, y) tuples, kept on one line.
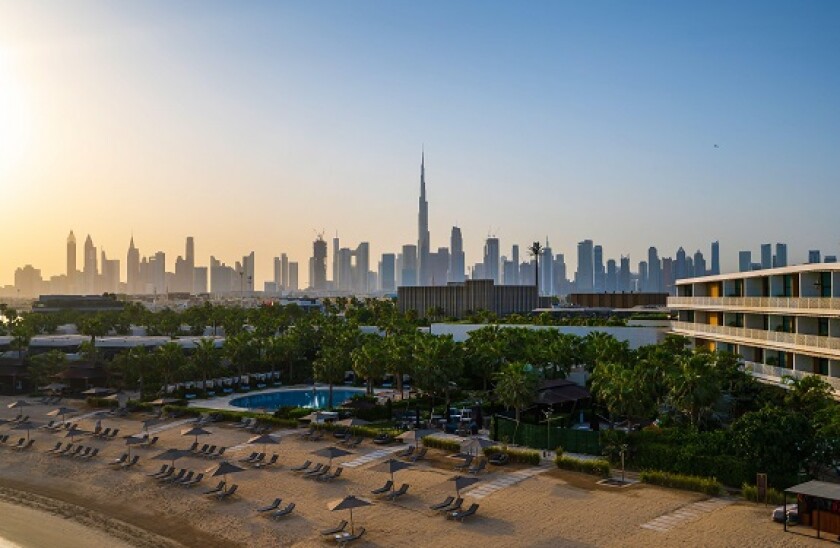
[(170, 426), (372, 456), (481, 490), (691, 512)]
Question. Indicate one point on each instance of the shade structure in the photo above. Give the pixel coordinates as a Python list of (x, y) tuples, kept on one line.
[(331, 452), (165, 401), (27, 425), (61, 412), (348, 503), (98, 391), (462, 482), (392, 465), (172, 455), (475, 446), (195, 431), (415, 436), (263, 439), (133, 440), (18, 403), (223, 469)]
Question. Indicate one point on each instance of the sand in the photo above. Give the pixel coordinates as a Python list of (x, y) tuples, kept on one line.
[(554, 508)]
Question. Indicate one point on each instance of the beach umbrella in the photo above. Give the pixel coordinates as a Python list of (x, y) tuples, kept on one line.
[(172, 455), (475, 446), (133, 440), (391, 466), (462, 482), (61, 412), (73, 432), (195, 431), (348, 503), (415, 436), (97, 392), (28, 425), (264, 439), (223, 469), (331, 452), (18, 403)]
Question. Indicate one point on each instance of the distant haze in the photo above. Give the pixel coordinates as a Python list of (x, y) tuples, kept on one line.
[(251, 125)]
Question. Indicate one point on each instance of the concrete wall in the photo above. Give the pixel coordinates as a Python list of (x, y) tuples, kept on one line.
[(635, 336)]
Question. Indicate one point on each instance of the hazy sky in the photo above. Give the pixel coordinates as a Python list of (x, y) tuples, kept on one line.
[(250, 125)]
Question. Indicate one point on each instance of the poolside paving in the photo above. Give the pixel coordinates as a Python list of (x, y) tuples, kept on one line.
[(690, 512), (372, 456), (503, 481)]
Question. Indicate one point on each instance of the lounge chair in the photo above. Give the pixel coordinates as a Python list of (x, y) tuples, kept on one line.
[(54, 449), (250, 457), (130, 463), (194, 446), (113, 434), (284, 512), (383, 439), (302, 467), (220, 487), (399, 492), (308, 433), (149, 442), (461, 515), (195, 481), (120, 460), (218, 454), (270, 462), (24, 446), (345, 539), (319, 474), (103, 433), (318, 467), (499, 459), (91, 454), (19, 444), (47, 426), (187, 477), (480, 467), (335, 530), (165, 470), (330, 477), (258, 459), (419, 455), (316, 436), (442, 505), (82, 454), (227, 493), (209, 451), (407, 452), (384, 489), (4, 438), (468, 460), (172, 477), (342, 433), (273, 506)]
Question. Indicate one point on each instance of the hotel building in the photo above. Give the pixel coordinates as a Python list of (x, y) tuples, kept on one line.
[(781, 321)]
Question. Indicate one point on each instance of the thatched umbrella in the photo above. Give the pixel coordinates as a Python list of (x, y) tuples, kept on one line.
[(348, 503), (61, 412), (195, 431), (331, 452), (27, 425), (98, 392), (462, 482), (263, 439), (391, 466), (133, 440), (223, 469), (18, 403), (172, 455), (73, 432)]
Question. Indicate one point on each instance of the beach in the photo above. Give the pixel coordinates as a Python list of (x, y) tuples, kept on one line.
[(533, 506)]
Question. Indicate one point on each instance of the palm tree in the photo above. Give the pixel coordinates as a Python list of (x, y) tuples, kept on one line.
[(170, 358), (536, 250), (438, 363), (696, 385), (335, 355), (516, 386), (206, 359), (370, 360)]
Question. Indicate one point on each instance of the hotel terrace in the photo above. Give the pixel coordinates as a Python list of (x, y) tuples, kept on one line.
[(782, 321)]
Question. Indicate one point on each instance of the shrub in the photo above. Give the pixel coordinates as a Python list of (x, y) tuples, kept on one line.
[(598, 467), (709, 486), (182, 410), (517, 456), (101, 402), (446, 445), (364, 431), (750, 492)]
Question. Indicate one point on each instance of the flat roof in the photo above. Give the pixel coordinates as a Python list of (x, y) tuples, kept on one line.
[(819, 489), (795, 269)]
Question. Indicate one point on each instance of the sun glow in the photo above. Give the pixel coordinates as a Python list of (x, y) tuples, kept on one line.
[(15, 126)]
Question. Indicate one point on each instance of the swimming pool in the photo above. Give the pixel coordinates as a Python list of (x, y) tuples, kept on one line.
[(296, 397)]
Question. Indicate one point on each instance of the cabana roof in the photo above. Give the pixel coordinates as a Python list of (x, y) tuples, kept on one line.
[(818, 489)]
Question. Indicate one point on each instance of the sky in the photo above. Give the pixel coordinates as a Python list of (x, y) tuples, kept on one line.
[(254, 126)]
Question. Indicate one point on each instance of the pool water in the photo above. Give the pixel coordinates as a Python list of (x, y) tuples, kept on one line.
[(298, 397)]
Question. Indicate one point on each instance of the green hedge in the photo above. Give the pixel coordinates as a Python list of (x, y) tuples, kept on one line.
[(517, 456), (446, 445), (364, 431), (101, 403), (236, 416), (598, 467), (709, 486), (750, 492)]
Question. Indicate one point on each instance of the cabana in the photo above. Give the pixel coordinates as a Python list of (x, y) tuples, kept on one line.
[(818, 505)]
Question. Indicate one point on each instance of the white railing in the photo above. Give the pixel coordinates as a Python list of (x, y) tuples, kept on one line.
[(760, 335), (777, 373), (787, 303)]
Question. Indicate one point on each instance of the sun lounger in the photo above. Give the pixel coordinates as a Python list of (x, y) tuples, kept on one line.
[(442, 505), (270, 462), (85, 452), (19, 443), (345, 539), (480, 467), (103, 433), (92, 454), (24, 444), (302, 467), (173, 477), (227, 493), (316, 475), (317, 436), (250, 457), (47, 426), (466, 464), (129, 463), (273, 506), (149, 442), (419, 455), (461, 515), (220, 487), (54, 449), (383, 439), (67, 448), (454, 507), (284, 512), (384, 489), (208, 452), (218, 453), (499, 459), (120, 460), (195, 481), (407, 452), (258, 459), (4, 439), (318, 467), (166, 471), (194, 446), (335, 530), (399, 492), (187, 477), (113, 434), (330, 477)]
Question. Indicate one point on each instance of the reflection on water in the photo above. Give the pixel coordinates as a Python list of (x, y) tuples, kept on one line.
[(310, 399)]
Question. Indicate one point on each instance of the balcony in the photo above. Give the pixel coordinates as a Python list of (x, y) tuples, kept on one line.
[(791, 342), (809, 306), (775, 374)]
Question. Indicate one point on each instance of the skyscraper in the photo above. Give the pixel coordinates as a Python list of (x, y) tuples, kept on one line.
[(584, 276), (611, 280), (699, 264), (293, 277), (408, 265), (335, 266), (547, 270), (744, 261), (654, 284), (71, 263), (514, 258), (624, 274), (132, 270), (387, 272), (766, 256), (284, 272), (813, 256), (491, 259), (319, 264), (457, 266), (715, 258), (680, 267), (780, 258), (598, 268), (91, 270), (424, 271), (190, 258)]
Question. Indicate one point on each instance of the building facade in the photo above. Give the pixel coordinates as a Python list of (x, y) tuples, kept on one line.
[(459, 300), (781, 321)]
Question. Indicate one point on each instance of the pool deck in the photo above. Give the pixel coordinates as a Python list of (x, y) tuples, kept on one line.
[(222, 403)]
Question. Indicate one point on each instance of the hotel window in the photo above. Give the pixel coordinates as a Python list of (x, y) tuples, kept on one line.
[(825, 284), (822, 327), (787, 285), (821, 366)]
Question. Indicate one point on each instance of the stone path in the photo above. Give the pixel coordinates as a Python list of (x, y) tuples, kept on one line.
[(481, 490), (372, 456), (691, 512)]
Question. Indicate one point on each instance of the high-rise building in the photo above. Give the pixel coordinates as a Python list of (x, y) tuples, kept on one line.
[(744, 261), (715, 258), (277, 279), (200, 280), (71, 263), (643, 276), (584, 279), (319, 264), (293, 277), (668, 275), (344, 280), (680, 270), (624, 274), (814, 256), (514, 258), (387, 272), (361, 268), (598, 269), (284, 271), (699, 264), (190, 266), (492, 259), (424, 268), (440, 266), (611, 280), (457, 264), (157, 272), (91, 271), (780, 258), (132, 269), (561, 283), (654, 281), (408, 265), (335, 264), (766, 256), (110, 275), (246, 273), (547, 270)]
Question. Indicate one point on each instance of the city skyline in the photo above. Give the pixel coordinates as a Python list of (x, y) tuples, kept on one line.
[(623, 133)]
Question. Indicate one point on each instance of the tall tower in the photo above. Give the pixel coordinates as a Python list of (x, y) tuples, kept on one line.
[(423, 262), (71, 262), (319, 264), (456, 256), (132, 274), (91, 270)]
